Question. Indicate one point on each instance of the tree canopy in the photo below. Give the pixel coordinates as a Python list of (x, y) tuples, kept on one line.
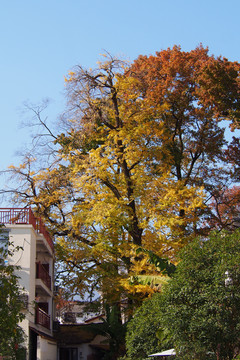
[(200, 304), (139, 154), (143, 337)]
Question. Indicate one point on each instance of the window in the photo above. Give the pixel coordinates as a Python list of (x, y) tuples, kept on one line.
[(68, 354)]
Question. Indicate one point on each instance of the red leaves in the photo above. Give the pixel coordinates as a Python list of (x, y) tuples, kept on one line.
[(189, 80)]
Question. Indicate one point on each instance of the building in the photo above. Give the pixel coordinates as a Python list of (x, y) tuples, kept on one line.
[(36, 276), (77, 312), (77, 336), (80, 342), (70, 338)]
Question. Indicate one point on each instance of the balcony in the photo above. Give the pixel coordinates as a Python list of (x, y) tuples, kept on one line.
[(42, 274), (42, 318), (25, 216)]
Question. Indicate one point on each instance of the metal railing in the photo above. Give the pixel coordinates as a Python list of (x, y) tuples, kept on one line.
[(25, 216), (42, 318), (42, 273)]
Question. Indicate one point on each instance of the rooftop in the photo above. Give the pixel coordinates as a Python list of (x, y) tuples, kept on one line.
[(25, 216)]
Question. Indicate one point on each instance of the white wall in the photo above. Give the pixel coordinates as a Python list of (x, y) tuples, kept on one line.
[(47, 350), (25, 237), (83, 351)]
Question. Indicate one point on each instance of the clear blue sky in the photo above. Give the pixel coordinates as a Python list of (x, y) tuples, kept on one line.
[(41, 40)]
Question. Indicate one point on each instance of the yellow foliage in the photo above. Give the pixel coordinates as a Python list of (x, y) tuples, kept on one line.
[(123, 175)]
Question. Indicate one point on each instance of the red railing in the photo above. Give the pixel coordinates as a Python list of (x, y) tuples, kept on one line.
[(42, 273), (25, 216), (41, 229), (42, 318)]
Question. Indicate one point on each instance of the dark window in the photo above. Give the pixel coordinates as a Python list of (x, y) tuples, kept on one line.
[(68, 354)]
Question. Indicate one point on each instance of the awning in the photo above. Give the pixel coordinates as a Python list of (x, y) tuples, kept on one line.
[(169, 352)]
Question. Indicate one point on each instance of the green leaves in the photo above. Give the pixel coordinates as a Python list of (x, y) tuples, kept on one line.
[(144, 334), (11, 309), (162, 264), (113, 330), (200, 311)]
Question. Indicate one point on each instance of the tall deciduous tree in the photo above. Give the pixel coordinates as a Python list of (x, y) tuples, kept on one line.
[(141, 148), (224, 209)]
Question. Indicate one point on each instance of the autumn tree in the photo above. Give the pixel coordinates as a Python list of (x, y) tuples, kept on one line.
[(140, 153), (224, 209)]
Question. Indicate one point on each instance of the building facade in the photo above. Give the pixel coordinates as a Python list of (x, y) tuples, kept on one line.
[(36, 276)]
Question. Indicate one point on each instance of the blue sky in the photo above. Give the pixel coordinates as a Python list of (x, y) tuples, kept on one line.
[(41, 40)]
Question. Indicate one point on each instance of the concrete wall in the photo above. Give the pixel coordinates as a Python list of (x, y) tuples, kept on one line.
[(25, 237), (83, 351), (47, 350)]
